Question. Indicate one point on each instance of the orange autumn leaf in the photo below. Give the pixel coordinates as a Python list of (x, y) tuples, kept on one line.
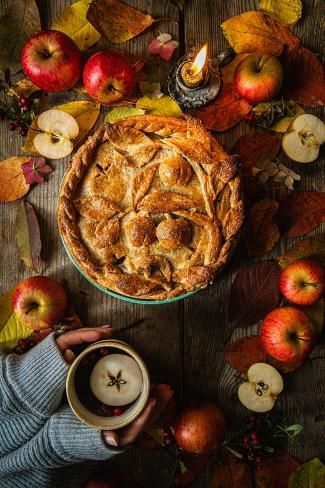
[(226, 112), (12, 180), (228, 71), (259, 33), (300, 212), (304, 78), (261, 233), (257, 147), (313, 248), (116, 21)]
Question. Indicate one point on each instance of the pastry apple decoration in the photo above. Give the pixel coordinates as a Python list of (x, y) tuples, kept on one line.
[(261, 390), (108, 78), (287, 334), (302, 282), (52, 61), (116, 380), (58, 131), (305, 136), (258, 78), (39, 302)]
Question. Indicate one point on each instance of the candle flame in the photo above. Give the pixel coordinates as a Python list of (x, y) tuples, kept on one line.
[(199, 60)]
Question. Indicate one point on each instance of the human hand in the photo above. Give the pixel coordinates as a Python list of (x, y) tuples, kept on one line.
[(155, 406), (79, 336)]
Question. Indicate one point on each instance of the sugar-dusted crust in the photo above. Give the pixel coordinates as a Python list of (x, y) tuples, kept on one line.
[(151, 207)]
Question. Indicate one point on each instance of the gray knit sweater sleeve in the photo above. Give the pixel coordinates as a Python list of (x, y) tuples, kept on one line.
[(37, 435)]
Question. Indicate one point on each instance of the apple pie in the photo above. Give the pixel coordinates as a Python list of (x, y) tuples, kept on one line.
[(151, 207)]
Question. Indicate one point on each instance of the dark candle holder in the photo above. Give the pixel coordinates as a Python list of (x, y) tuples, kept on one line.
[(193, 97)]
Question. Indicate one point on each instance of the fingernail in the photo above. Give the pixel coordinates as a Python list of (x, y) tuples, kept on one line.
[(111, 440), (106, 326)]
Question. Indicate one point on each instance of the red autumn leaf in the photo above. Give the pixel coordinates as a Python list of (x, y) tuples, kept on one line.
[(249, 350), (261, 233), (226, 112), (304, 78), (257, 147), (278, 468), (35, 170), (193, 465), (254, 293), (230, 472), (300, 212)]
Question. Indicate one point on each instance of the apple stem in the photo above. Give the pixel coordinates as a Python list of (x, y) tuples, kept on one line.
[(310, 284), (303, 339), (32, 307)]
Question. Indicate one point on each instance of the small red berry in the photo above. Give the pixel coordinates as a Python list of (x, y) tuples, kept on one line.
[(258, 459), (117, 412), (12, 126), (103, 351)]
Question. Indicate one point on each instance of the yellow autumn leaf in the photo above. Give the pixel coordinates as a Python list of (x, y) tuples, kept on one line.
[(24, 88), (259, 33), (11, 330), (13, 184), (73, 22), (159, 106), (287, 12), (118, 113), (85, 113)]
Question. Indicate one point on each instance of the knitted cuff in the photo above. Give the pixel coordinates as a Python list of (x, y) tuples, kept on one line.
[(73, 441), (37, 378)]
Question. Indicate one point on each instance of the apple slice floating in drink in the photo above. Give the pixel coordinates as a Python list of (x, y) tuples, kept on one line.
[(59, 131), (260, 392), (116, 380)]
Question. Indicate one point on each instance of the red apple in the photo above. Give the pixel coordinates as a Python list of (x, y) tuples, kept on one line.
[(39, 302), (287, 334), (258, 78), (199, 428), (52, 61), (302, 282), (108, 77)]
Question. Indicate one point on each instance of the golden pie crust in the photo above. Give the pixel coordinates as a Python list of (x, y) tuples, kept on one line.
[(151, 207)]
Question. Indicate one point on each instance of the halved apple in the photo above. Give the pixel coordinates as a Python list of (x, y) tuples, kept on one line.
[(260, 392), (306, 135), (59, 129), (116, 380)]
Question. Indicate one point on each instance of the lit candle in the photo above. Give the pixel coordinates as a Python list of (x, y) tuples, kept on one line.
[(193, 73)]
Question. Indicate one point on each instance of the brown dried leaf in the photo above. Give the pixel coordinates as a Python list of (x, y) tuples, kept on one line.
[(19, 22), (254, 293), (300, 212), (12, 181), (259, 33), (249, 350), (116, 21), (304, 78), (257, 147), (24, 88), (313, 248), (226, 112), (261, 233), (28, 235)]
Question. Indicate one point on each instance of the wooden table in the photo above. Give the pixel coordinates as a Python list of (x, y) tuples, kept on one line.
[(181, 342)]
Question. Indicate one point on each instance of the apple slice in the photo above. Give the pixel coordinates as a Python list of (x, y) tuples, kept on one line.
[(260, 392), (59, 130), (303, 141), (116, 380)]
